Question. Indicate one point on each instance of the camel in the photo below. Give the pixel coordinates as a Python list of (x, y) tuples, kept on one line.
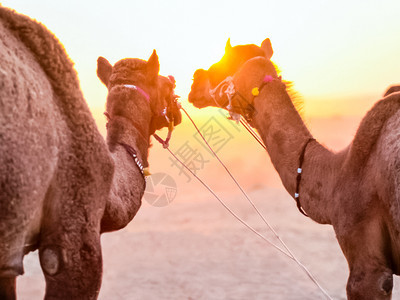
[(62, 184), (356, 190), (233, 58)]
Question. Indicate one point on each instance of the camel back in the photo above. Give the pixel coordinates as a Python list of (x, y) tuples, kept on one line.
[(54, 161), (370, 129), (52, 58), (54, 61)]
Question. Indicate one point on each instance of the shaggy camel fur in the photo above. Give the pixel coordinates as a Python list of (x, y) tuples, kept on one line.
[(61, 184), (356, 190)]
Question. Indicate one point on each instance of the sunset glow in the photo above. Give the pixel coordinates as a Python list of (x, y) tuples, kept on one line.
[(333, 51)]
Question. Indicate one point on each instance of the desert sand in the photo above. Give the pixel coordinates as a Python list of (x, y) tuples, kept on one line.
[(193, 248)]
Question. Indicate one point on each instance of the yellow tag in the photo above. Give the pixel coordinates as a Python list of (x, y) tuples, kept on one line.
[(146, 172), (255, 92), (171, 126)]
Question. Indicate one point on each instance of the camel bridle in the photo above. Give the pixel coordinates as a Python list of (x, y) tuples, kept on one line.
[(227, 88), (167, 113)]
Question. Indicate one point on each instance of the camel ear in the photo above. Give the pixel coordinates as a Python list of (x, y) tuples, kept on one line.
[(228, 46), (153, 66), (104, 69), (267, 47)]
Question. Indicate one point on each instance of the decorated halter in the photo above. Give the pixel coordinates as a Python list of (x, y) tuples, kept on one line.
[(268, 78), (133, 87), (227, 87), (140, 90), (166, 113)]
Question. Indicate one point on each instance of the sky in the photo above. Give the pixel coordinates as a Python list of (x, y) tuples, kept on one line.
[(340, 55)]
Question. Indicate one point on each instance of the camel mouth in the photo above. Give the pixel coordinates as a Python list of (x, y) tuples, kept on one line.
[(198, 102), (199, 105)]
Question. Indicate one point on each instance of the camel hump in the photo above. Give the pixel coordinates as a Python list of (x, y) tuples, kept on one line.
[(46, 48), (58, 68), (370, 129), (47, 51), (77, 134)]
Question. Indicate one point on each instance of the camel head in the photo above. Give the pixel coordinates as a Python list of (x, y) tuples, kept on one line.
[(233, 59), (144, 74)]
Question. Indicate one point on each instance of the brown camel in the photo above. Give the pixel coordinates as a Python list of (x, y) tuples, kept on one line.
[(61, 184), (356, 190)]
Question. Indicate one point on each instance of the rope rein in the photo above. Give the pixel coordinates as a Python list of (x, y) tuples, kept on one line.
[(252, 132), (290, 255), (227, 208), (230, 91)]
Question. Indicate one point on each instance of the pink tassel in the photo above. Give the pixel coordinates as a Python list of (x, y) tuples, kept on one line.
[(268, 78)]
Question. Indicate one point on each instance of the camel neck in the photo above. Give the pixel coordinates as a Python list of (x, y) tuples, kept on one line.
[(285, 135), (123, 131), (128, 182), (129, 115)]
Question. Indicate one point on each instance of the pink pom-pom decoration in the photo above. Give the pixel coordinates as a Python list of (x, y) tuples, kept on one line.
[(268, 78)]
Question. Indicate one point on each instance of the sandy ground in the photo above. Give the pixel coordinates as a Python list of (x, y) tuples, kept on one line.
[(193, 249)]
